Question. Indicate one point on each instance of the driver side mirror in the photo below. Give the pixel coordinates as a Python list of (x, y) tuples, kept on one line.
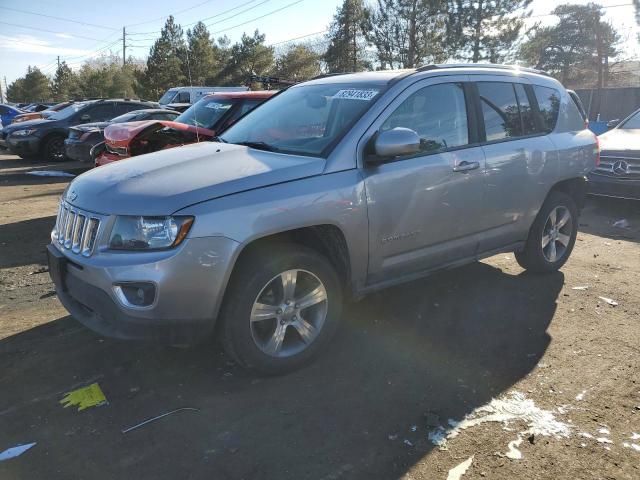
[(394, 143)]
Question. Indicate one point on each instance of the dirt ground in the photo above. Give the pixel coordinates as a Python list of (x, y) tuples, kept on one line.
[(404, 361)]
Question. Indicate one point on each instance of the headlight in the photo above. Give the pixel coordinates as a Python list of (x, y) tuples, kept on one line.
[(148, 233), (23, 133)]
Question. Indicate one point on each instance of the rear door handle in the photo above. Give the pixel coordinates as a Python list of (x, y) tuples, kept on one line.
[(465, 166)]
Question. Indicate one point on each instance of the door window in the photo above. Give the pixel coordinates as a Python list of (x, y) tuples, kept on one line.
[(122, 108), (499, 110), (184, 97), (549, 106), (526, 113), (99, 113), (437, 113)]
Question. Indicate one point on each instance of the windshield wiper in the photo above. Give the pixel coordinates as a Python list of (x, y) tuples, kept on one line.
[(218, 139), (259, 146)]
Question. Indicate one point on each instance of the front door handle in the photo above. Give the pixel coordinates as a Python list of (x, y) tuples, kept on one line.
[(465, 166)]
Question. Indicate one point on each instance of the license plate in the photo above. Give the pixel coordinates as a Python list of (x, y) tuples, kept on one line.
[(57, 266)]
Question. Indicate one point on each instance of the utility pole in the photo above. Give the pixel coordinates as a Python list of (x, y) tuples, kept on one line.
[(124, 46), (1, 94), (58, 62)]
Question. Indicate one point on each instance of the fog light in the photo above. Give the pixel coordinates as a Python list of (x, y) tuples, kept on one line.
[(136, 294)]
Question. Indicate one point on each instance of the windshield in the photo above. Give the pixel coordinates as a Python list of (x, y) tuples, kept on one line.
[(633, 122), (167, 97), (66, 112), (206, 112), (305, 120)]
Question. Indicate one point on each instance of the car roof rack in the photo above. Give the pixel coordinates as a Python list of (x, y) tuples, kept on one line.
[(437, 66)]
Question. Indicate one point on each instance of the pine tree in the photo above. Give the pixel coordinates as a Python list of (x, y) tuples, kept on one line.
[(484, 30), (347, 44), (200, 62), (298, 63), (65, 83), (36, 85), (249, 56), (165, 62), (16, 92), (407, 33)]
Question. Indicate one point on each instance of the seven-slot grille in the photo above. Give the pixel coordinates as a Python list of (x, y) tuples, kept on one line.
[(76, 230), (619, 166)]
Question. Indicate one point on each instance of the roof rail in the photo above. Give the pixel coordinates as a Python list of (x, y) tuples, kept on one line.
[(426, 68), (325, 75)]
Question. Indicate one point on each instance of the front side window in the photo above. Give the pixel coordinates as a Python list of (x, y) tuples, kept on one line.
[(67, 112), (184, 97), (632, 122), (167, 97), (305, 119), (437, 114), (499, 110), (549, 106), (100, 113)]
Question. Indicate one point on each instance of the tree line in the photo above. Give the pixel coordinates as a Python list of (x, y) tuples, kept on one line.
[(386, 34)]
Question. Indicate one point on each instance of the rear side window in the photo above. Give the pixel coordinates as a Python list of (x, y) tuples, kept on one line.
[(437, 113), (499, 110), (549, 106), (526, 113)]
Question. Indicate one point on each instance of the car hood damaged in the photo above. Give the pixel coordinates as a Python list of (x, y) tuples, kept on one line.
[(164, 182)]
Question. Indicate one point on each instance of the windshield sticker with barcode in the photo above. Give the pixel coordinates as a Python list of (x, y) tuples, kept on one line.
[(218, 106), (355, 94)]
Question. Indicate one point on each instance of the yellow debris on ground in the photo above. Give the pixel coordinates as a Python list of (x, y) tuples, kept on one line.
[(85, 397)]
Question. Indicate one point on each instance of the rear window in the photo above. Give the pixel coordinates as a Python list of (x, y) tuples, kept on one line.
[(549, 106), (499, 110)]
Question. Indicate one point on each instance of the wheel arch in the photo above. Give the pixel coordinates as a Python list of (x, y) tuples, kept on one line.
[(575, 187), (49, 135)]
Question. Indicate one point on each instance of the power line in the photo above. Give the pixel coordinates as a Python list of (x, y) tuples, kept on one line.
[(58, 18), (298, 38), (48, 31), (171, 14), (260, 17), (602, 7)]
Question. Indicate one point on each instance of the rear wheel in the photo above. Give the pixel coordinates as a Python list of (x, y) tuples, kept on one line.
[(552, 235), (282, 308), (53, 148)]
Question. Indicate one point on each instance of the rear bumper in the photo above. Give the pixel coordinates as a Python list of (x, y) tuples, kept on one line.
[(23, 145), (189, 281), (607, 186), (77, 150)]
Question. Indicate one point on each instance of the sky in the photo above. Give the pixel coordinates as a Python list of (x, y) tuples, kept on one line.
[(85, 29)]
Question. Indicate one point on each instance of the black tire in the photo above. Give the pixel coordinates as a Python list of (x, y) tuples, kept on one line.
[(53, 148), (253, 274), (533, 258)]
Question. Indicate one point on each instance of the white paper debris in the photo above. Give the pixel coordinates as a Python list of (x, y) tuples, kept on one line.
[(514, 453), (604, 431), (414, 428), (610, 301), (603, 440), (580, 287), (393, 437), (513, 407), (635, 436), (15, 451), (458, 471), (580, 396), (408, 443), (632, 446), (586, 435), (622, 223), (50, 173)]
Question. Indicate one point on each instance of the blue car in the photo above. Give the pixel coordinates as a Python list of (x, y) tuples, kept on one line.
[(7, 112)]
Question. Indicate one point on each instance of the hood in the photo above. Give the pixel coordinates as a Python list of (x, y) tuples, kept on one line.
[(92, 126), (23, 117), (620, 140), (121, 134), (27, 124), (164, 182)]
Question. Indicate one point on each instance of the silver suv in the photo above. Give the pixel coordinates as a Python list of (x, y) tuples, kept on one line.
[(335, 187)]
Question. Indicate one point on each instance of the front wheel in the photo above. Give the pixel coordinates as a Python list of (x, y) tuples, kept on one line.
[(552, 235), (282, 308), (54, 148)]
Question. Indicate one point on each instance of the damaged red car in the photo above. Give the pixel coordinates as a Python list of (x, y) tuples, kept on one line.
[(204, 120)]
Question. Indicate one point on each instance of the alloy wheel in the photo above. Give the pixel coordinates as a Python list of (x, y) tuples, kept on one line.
[(289, 313), (56, 149), (556, 234)]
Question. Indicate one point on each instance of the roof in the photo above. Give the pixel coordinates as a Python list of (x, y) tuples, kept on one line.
[(240, 95)]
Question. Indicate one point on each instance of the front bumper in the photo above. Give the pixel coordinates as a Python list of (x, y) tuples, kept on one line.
[(78, 150), (23, 145), (608, 186), (189, 280)]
